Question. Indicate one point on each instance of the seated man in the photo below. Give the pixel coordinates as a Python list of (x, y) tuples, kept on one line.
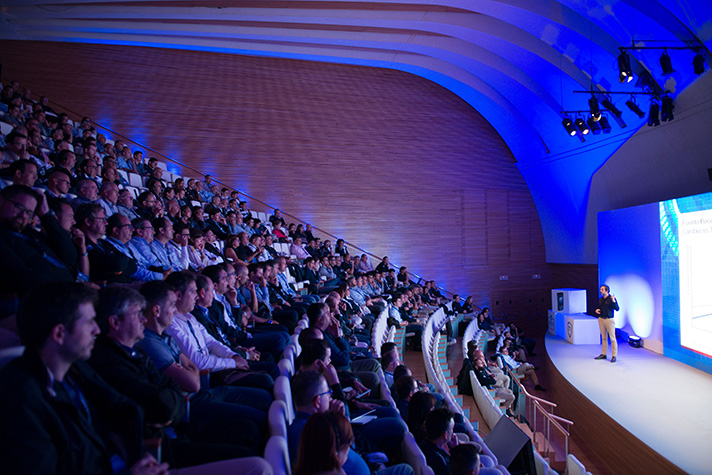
[(28, 257), (526, 369), (208, 354), (111, 258), (201, 312), (487, 380), (366, 368), (53, 402), (311, 394), (120, 317), (439, 439), (169, 256), (386, 431), (140, 247), (226, 314), (22, 172)]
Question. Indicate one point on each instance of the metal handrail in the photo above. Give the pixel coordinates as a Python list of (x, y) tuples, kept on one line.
[(524, 389), (549, 416)]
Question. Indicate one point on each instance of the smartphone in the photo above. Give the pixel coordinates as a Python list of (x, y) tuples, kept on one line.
[(365, 393)]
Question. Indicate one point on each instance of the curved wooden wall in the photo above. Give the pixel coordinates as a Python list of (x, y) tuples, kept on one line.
[(382, 158)]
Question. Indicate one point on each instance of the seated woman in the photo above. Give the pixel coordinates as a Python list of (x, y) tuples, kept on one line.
[(324, 444), (231, 244)]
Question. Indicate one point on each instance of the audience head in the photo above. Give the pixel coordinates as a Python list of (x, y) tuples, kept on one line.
[(119, 227), (59, 317), (119, 314), (439, 425), (390, 361), (421, 403), (387, 347), (401, 371), (23, 172), (324, 444), (310, 333), (59, 180), (91, 219), (17, 207), (310, 392), (88, 189), (465, 460), (204, 287), (312, 351), (160, 304), (186, 290), (319, 315), (406, 386)]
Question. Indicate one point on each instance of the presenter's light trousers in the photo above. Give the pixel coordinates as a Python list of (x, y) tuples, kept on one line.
[(608, 328)]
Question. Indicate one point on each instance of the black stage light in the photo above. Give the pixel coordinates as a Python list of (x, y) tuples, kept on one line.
[(654, 114), (610, 107), (581, 124), (595, 109), (625, 73), (635, 341), (605, 125), (569, 126), (593, 125), (667, 108), (698, 62), (634, 107), (666, 64)]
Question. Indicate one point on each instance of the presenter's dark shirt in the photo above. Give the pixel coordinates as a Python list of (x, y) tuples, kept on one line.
[(607, 307)]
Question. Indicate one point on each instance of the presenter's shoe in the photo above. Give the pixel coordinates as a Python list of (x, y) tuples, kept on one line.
[(600, 357), (613, 360)]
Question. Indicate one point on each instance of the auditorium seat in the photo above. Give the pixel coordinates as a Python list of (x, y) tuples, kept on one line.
[(277, 455), (283, 392), (277, 419)]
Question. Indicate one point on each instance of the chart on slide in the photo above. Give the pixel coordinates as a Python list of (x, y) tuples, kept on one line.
[(695, 238)]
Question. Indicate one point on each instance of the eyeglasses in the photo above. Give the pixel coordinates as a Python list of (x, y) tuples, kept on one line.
[(96, 218), (329, 393), (22, 208)]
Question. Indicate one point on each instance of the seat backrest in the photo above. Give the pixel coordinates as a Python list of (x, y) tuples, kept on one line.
[(283, 392), (277, 455), (285, 367), (10, 353), (277, 418)]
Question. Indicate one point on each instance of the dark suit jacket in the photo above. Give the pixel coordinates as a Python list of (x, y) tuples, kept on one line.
[(136, 377), (46, 433), (25, 258), (108, 264)]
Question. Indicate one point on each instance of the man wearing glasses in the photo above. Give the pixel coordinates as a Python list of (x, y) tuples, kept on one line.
[(30, 257)]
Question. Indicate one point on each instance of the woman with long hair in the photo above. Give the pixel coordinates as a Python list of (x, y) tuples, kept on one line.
[(324, 444)]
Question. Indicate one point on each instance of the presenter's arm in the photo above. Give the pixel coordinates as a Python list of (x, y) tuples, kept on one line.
[(615, 303)]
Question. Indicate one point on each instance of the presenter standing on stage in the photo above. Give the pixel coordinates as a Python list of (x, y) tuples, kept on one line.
[(607, 304)]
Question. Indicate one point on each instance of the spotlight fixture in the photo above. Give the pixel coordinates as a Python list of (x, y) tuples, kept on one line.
[(569, 126), (667, 108), (593, 125), (625, 73), (654, 114), (605, 126), (634, 107), (610, 107), (698, 62), (581, 124), (666, 64), (595, 109)]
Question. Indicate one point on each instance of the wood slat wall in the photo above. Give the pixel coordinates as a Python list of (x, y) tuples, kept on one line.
[(387, 160)]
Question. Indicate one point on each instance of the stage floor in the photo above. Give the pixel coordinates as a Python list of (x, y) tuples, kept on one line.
[(664, 403)]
